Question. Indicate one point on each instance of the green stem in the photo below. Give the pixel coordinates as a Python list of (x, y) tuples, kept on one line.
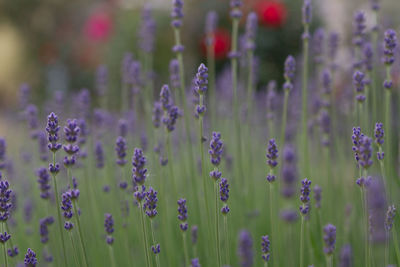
[(112, 256), (211, 83), (217, 243), (304, 105), (388, 120), (302, 243), (396, 245), (170, 165), (144, 232), (154, 242), (374, 92), (364, 207), (75, 256), (81, 240), (284, 119), (329, 261), (250, 56), (226, 239), (387, 248), (4, 246), (59, 212), (185, 250)]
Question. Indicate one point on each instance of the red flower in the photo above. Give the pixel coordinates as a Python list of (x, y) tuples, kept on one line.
[(98, 27), (271, 13), (222, 43)]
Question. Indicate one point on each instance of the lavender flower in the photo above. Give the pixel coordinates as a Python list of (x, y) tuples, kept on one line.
[(379, 139), (271, 100), (182, 214), (364, 181), (139, 172), (12, 252), (368, 53), (325, 122), (174, 73), (126, 62), (52, 129), (42, 142), (157, 114), (245, 249), (236, 13), (24, 95), (346, 256), (170, 118), (318, 45), (5, 200), (305, 196), (4, 237), (265, 248), (140, 193), (101, 80), (109, 227), (71, 131), (329, 239), (195, 263), (376, 203), (151, 203), (122, 128), (272, 153), (359, 85), (365, 150), (156, 249), (390, 44), (30, 258), (251, 29), (3, 147), (224, 195), (177, 13), (200, 86), (333, 45), (99, 155), (147, 30), (216, 148), (33, 123), (290, 68), (165, 97), (194, 235), (120, 148), (44, 182), (43, 228), (317, 196), (307, 12), (210, 26), (289, 215), (289, 171), (359, 26), (356, 139), (66, 207), (390, 214)]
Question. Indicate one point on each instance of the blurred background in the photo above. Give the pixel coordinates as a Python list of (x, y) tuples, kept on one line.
[(57, 45)]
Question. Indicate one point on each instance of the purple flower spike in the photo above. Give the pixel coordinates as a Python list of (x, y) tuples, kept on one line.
[(365, 150), (307, 12), (99, 155), (272, 153), (30, 258), (224, 195), (318, 196), (245, 249), (33, 123), (101, 80), (318, 45), (147, 30), (3, 148), (120, 148), (359, 85), (109, 227), (216, 148), (165, 97), (150, 204), (177, 13), (71, 131), (174, 73), (139, 172), (390, 44), (194, 232), (5, 200), (251, 29), (44, 182), (236, 13), (195, 263), (157, 114), (329, 239), (4, 237), (156, 249), (52, 129), (182, 214), (346, 256), (390, 214), (265, 248), (305, 196), (43, 228), (290, 68), (359, 26)]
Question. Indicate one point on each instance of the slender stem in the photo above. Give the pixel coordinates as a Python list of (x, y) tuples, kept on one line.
[(80, 232), (304, 105), (329, 260), (144, 232), (374, 93), (388, 120), (211, 82), (59, 212), (396, 245), (154, 242), (382, 166), (112, 256), (185, 250), (217, 243), (250, 57), (226, 239), (302, 242), (387, 248), (74, 249), (170, 163), (365, 225), (4, 246), (273, 229)]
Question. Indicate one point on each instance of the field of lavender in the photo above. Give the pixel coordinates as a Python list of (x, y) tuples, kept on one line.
[(212, 171)]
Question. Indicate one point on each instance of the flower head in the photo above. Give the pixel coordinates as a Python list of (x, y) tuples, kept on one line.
[(182, 214), (272, 153), (120, 149), (139, 172), (265, 248), (329, 239), (52, 129), (177, 13), (216, 148), (151, 203), (307, 12), (245, 249), (5, 200), (251, 29), (390, 214), (44, 182), (390, 44), (109, 227), (30, 258), (305, 196)]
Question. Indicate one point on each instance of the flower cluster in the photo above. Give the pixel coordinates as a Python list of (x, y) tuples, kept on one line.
[(289, 72), (224, 195), (251, 29), (150, 204), (66, 207), (5, 200), (390, 44), (305, 196), (139, 171), (359, 85), (329, 239), (200, 86), (379, 139), (109, 227), (30, 258), (99, 154), (216, 148), (52, 129), (182, 214), (120, 149), (177, 13), (44, 180), (390, 214), (245, 248), (71, 131), (265, 248), (43, 228)]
